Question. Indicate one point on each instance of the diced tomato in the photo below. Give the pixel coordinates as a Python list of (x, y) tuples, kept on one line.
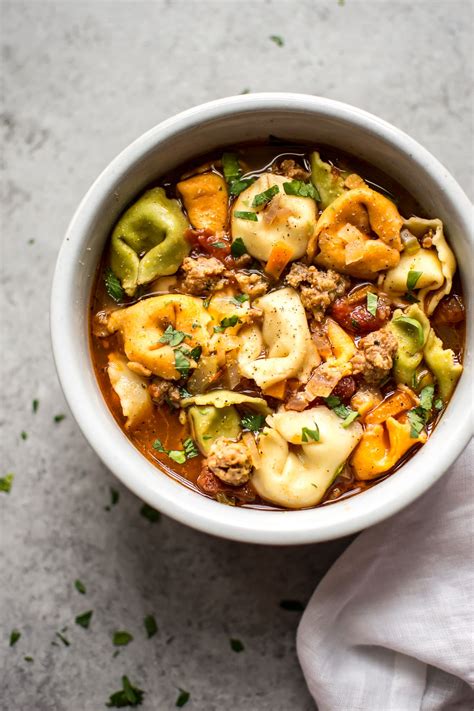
[(356, 319)]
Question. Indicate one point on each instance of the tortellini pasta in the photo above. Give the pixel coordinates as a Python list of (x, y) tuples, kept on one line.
[(435, 265), (382, 446), (131, 389), (284, 339), (143, 325), (208, 423), (343, 236), (328, 182), (205, 199), (299, 477), (443, 364), (224, 398), (148, 241), (288, 219)]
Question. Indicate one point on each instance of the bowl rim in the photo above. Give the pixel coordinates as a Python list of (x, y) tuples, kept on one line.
[(130, 466)]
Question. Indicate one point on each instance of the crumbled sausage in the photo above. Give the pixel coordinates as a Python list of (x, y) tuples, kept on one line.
[(202, 275), (253, 284), (318, 289), (292, 170), (375, 357), (162, 391), (230, 461)]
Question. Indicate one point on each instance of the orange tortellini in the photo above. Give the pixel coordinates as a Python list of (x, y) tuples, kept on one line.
[(343, 239)]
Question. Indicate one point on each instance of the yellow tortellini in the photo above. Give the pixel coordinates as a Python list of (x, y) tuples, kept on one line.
[(131, 389), (143, 325), (148, 241), (288, 219), (299, 477), (343, 236), (282, 348), (436, 266)]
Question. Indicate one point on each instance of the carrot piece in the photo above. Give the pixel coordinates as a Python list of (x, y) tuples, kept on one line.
[(276, 390), (279, 257), (399, 401), (205, 199)]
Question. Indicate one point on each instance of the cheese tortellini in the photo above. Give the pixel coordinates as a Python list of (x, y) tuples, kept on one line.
[(290, 219), (132, 390), (343, 237), (283, 347), (435, 266), (299, 477)]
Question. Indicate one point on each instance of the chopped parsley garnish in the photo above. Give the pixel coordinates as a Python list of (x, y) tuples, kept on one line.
[(233, 174), (219, 245), (181, 363), (14, 637), (183, 698), (150, 626), (345, 413), (243, 215), (63, 639), (151, 514), (128, 695), (236, 645), (190, 449), (80, 587), (252, 421), (278, 40), (438, 404), (177, 455), (292, 605), (240, 298), (266, 196), (299, 187), (227, 322), (35, 405), (238, 248), (372, 302), (195, 353), (84, 619), (121, 638), (24, 435), (412, 279), (183, 392), (6, 483), (419, 416), (173, 337), (411, 298), (113, 286), (307, 435), (59, 418)]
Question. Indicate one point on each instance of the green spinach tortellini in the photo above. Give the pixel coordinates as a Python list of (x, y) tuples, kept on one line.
[(148, 241)]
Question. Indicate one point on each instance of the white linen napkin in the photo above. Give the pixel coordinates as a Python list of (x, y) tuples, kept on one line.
[(390, 627)]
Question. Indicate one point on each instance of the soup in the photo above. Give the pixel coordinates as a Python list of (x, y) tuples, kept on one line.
[(277, 325)]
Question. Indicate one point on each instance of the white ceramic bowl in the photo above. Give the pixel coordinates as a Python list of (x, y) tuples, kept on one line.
[(176, 140)]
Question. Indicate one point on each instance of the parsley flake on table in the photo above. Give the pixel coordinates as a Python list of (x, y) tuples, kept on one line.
[(80, 587), (292, 605), (183, 698), (59, 418), (150, 625), (129, 695), (84, 619), (113, 286), (28, 659), (6, 483), (121, 638), (35, 405), (236, 645), (150, 513), (63, 639), (278, 40), (14, 637), (24, 435)]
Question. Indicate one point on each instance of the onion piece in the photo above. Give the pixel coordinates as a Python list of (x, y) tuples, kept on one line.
[(354, 251), (249, 440), (323, 381), (232, 375)]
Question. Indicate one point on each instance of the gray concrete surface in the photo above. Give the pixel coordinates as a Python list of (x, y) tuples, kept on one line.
[(82, 80)]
